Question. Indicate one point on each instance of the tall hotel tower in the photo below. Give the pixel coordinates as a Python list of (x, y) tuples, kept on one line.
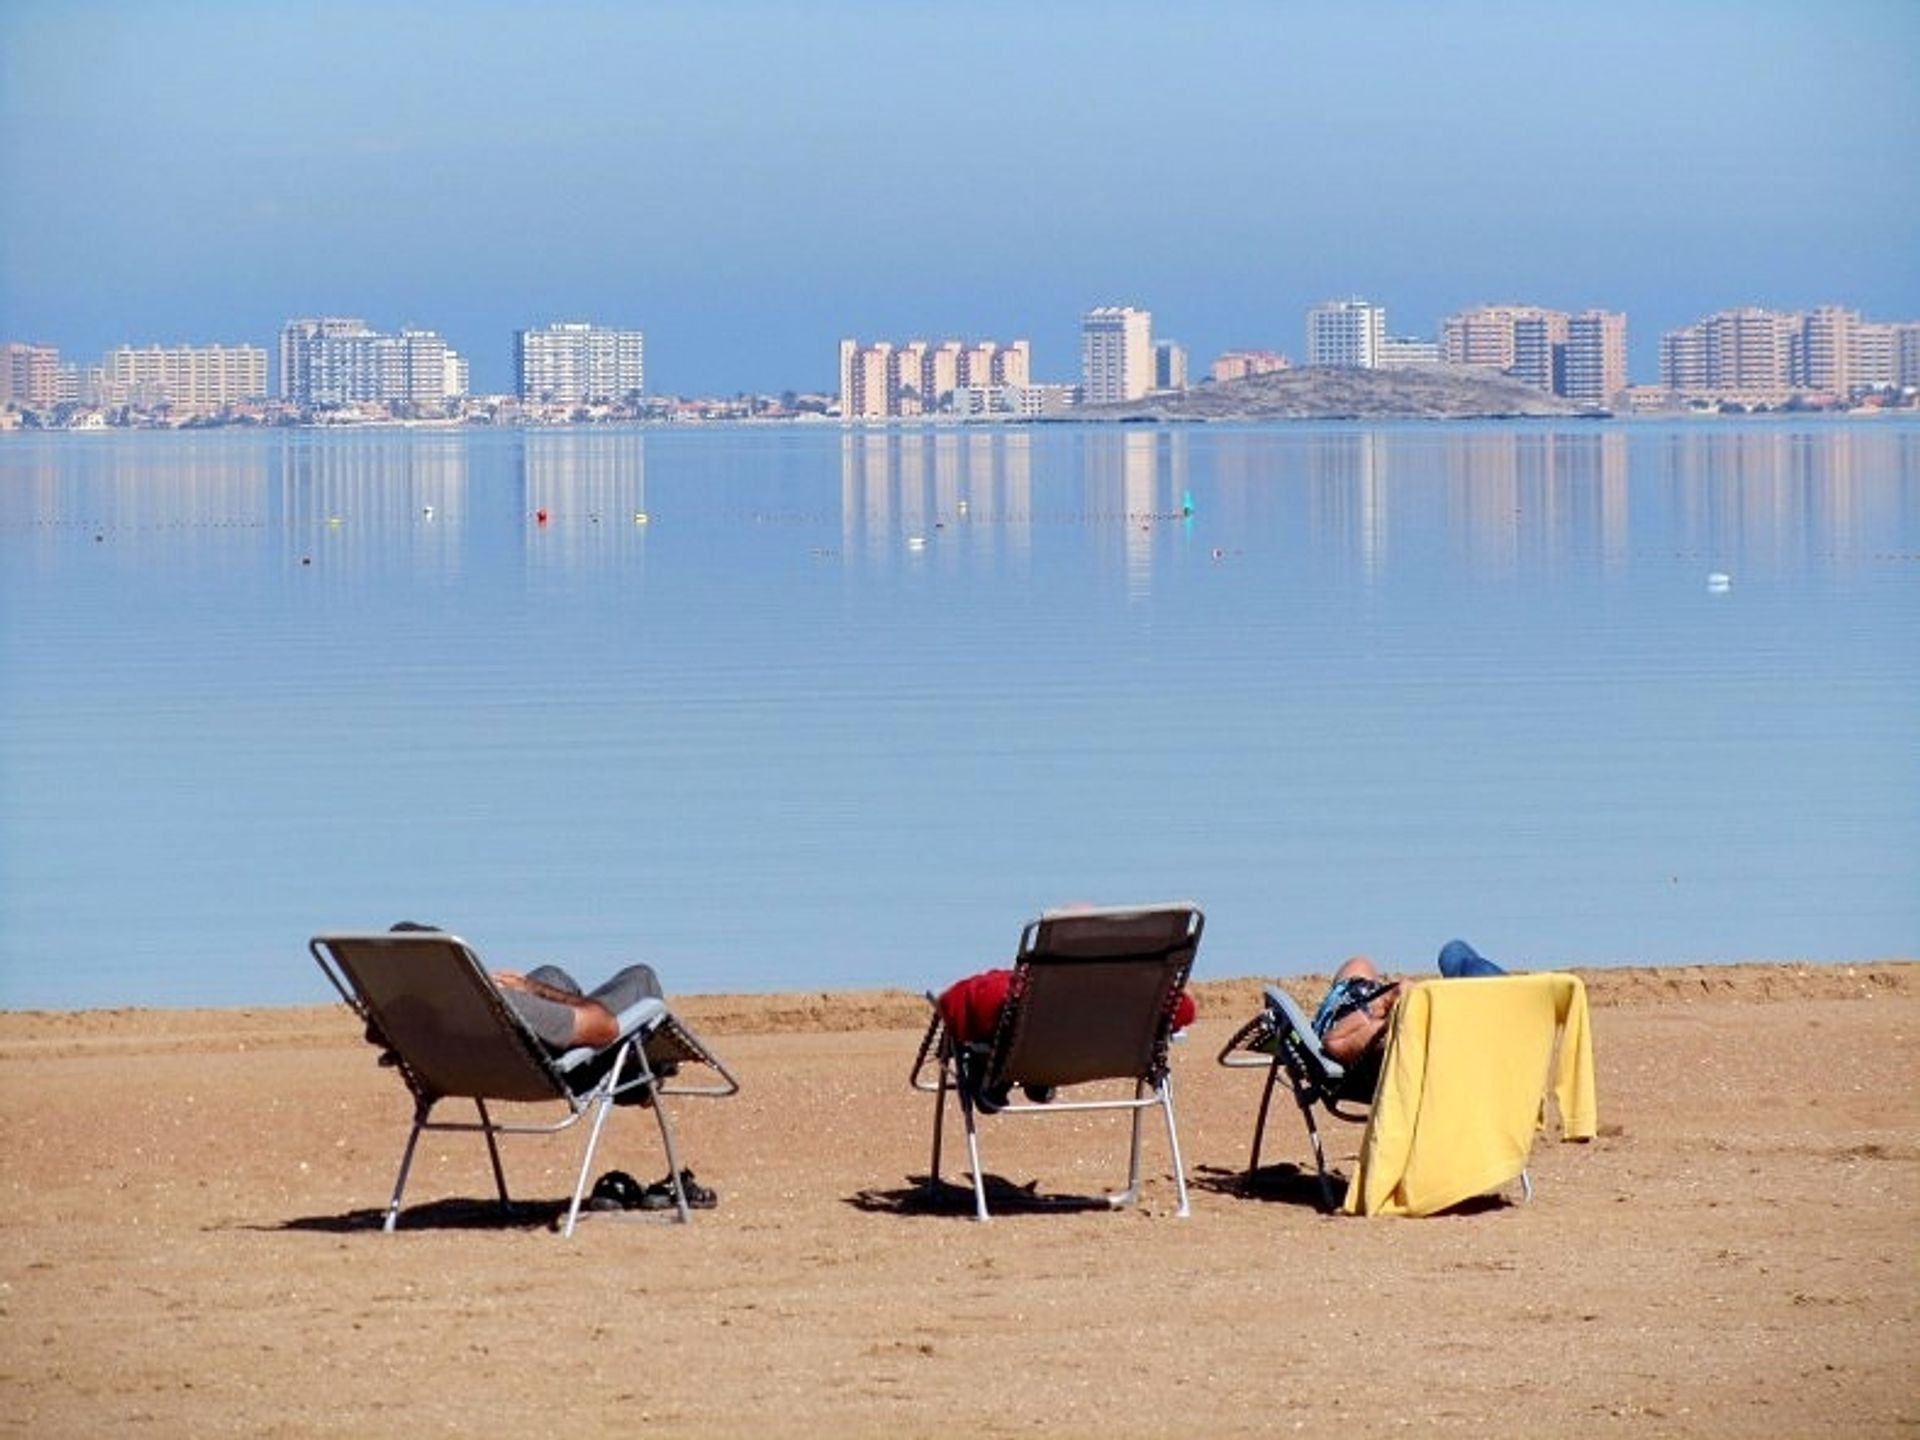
[(1116, 354), (1346, 333), (574, 364)]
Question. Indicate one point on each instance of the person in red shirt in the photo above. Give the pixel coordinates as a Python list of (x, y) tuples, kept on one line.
[(970, 1009)]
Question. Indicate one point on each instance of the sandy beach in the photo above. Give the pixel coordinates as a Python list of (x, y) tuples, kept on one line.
[(188, 1244)]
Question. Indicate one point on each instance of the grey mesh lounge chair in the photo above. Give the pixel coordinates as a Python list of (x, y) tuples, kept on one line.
[(425, 998), (1281, 1039), (1092, 999)]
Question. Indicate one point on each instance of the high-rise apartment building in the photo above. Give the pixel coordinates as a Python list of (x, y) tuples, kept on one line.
[(1169, 365), (199, 377), (1346, 333), (573, 363), (340, 361), (1527, 342), (30, 378), (1732, 352), (1596, 357), (884, 380), (1822, 351), (1116, 354)]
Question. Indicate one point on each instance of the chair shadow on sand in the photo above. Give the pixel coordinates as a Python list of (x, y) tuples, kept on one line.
[(956, 1200), (1285, 1183), (448, 1214), (1281, 1183)]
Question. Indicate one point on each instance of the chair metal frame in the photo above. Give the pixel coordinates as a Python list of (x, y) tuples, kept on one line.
[(1280, 1040), (1069, 943), (587, 1081)]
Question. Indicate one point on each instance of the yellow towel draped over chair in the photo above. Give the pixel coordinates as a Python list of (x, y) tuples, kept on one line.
[(1463, 1089)]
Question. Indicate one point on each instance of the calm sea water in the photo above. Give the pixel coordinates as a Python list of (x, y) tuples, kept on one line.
[(787, 708)]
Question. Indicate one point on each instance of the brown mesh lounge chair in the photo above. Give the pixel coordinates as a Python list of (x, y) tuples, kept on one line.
[(1092, 999), (426, 999)]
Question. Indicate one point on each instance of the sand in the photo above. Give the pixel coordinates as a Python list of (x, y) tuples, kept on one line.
[(187, 1244)]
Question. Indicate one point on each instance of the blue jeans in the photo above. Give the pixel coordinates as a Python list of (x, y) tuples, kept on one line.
[(1460, 961)]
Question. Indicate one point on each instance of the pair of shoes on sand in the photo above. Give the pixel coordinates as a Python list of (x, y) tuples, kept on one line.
[(617, 1190)]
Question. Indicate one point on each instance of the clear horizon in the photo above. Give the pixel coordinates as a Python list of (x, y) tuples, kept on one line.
[(748, 184)]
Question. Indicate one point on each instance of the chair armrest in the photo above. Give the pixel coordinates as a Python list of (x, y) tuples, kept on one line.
[(641, 1016)]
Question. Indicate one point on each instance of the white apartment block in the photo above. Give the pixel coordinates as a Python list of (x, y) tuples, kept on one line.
[(884, 380), (573, 363), (340, 361), (1399, 351), (1346, 334), (197, 377), (1116, 354), (1595, 372)]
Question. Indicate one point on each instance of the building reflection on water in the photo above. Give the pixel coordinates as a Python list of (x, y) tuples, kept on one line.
[(1491, 498), (591, 487), (349, 495)]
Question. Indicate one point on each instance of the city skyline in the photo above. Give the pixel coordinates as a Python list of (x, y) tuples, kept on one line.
[(708, 185)]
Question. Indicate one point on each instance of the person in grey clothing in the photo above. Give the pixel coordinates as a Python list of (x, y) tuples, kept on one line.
[(563, 1015)]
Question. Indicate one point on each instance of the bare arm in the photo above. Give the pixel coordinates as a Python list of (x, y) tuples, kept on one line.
[(593, 1023), (1351, 1036)]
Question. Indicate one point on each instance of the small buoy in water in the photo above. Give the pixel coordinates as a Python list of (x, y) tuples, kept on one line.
[(427, 512), (1218, 553), (1719, 580), (916, 542), (540, 515), (640, 517)]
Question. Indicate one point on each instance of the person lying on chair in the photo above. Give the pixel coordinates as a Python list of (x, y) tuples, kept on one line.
[(1352, 1020), (971, 1010), (563, 1017), (557, 1010)]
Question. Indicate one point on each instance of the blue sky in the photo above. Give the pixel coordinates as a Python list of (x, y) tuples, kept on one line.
[(748, 182)]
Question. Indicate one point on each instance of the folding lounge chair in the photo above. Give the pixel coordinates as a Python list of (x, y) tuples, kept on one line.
[(1281, 1039), (1092, 998), (426, 999)]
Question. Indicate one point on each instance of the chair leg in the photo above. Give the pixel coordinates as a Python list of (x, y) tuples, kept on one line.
[(1319, 1157), (939, 1124), (1266, 1103), (600, 1109), (673, 1158), (406, 1164), (973, 1157), (1132, 1192), (493, 1152), (1173, 1144)]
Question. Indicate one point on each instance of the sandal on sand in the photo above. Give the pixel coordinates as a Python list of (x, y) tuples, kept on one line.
[(659, 1195), (616, 1190)]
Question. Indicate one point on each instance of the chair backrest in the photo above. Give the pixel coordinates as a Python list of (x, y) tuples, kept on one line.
[(1294, 1031), (1093, 995), (426, 996)]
